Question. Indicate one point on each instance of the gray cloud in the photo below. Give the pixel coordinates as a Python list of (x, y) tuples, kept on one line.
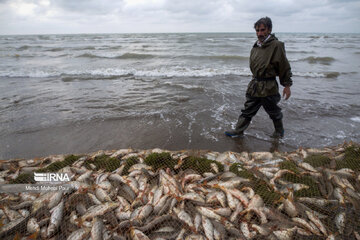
[(53, 16), (89, 6)]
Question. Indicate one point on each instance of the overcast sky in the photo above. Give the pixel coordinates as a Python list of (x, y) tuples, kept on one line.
[(128, 16)]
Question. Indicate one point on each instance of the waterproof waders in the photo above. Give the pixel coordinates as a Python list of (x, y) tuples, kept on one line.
[(279, 129), (241, 125), (251, 107)]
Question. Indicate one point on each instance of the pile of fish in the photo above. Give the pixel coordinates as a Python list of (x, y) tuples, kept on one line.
[(185, 204)]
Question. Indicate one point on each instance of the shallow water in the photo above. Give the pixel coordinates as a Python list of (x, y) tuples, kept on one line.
[(81, 93)]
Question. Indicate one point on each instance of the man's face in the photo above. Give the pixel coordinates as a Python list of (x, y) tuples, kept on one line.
[(262, 32)]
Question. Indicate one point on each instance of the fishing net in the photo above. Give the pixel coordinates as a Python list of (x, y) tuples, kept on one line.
[(157, 194)]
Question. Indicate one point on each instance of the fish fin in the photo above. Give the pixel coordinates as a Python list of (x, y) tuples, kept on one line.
[(17, 236), (33, 236)]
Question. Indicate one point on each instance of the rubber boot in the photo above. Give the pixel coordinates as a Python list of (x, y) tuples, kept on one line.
[(241, 125), (279, 129)]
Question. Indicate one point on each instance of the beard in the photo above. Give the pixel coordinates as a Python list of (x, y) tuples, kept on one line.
[(262, 38)]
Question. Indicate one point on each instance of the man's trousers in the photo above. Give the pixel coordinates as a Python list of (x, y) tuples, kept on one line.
[(253, 104)]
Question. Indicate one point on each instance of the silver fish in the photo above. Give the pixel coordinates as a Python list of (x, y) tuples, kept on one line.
[(78, 170), (94, 199), (217, 234), (122, 216), (166, 206), (166, 229), (106, 185), (101, 177), (352, 193), (157, 195), (124, 204), (41, 200), (239, 195), (55, 219), (80, 234), (208, 228), (261, 230), (11, 214), (317, 222), (85, 176), (357, 235), (232, 183), (289, 206), (267, 174), (216, 197), (307, 167), (99, 210), (340, 222), (285, 234), (132, 183), (195, 237), (214, 167), (306, 225), (338, 181), (225, 212), (235, 214), (320, 202), (11, 226), (347, 184), (21, 205), (197, 222), (139, 166), (185, 217), (190, 177), (158, 206), (207, 212), (80, 208), (227, 175), (245, 230), (117, 178), (24, 212), (32, 226), (55, 199), (137, 234), (73, 218), (145, 211), (102, 195), (194, 197), (26, 197), (232, 201), (339, 195), (259, 212), (345, 172), (97, 229), (256, 202)]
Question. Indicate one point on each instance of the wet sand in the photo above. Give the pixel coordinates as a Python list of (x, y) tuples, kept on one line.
[(125, 133)]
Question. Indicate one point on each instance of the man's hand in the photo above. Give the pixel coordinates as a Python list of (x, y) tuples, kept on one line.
[(286, 92)]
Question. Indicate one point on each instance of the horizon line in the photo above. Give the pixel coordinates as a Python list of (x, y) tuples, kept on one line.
[(89, 33)]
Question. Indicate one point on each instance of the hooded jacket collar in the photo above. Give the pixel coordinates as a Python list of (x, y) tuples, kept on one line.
[(266, 42)]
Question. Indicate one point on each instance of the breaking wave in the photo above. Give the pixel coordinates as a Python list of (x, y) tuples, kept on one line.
[(109, 73), (311, 59), (317, 74), (123, 56)]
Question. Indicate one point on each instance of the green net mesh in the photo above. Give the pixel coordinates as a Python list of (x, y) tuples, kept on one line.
[(156, 194)]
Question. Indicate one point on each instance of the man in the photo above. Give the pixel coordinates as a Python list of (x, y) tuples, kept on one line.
[(267, 60)]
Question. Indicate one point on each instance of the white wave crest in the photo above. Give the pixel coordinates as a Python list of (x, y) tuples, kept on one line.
[(355, 119), (158, 72)]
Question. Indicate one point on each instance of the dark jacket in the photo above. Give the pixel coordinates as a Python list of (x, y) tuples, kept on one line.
[(268, 61)]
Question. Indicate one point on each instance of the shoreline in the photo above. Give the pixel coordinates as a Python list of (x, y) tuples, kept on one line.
[(195, 152)]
